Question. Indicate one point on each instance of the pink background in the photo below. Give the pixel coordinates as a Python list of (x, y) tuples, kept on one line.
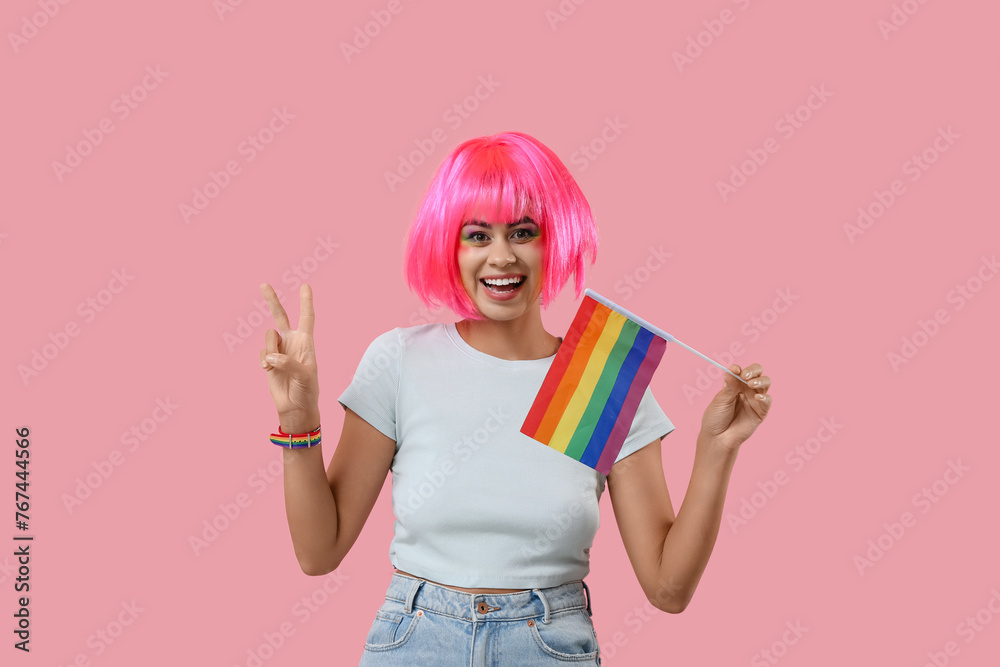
[(173, 331)]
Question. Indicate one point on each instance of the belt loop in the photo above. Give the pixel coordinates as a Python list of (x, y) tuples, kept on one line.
[(585, 588), (545, 603), (414, 587)]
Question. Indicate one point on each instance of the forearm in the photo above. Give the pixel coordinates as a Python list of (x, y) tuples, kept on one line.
[(691, 538), (309, 502)]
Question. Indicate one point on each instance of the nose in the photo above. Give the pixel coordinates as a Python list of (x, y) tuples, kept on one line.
[(501, 253)]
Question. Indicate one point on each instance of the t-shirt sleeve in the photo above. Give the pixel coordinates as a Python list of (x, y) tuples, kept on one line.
[(373, 392), (649, 424)]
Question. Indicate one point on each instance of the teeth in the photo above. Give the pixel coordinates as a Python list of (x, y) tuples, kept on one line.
[(503, 281)]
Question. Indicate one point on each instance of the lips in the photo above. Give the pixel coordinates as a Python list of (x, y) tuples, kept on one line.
[(509, 285)]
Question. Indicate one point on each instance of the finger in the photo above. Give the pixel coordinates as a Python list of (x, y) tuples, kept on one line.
[(729, 382), (277, 361), (270, 357), (277, 310), (760, 384), (752, 371), (271, 340), (763, 402), (272, 360), (306, 314)]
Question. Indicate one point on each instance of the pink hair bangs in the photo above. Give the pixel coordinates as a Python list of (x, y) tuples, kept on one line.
[(499, 178)]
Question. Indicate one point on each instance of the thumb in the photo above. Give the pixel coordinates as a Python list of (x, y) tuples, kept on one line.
[(286, 365), (731, 385), (278, 361)]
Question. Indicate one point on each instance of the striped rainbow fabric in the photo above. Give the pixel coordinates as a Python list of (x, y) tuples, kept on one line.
[(591, 393)]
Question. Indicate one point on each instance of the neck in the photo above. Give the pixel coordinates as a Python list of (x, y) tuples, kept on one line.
[(514, 340)]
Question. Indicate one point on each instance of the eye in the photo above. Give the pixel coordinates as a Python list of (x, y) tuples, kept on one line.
[(524, 234), (476, 237)]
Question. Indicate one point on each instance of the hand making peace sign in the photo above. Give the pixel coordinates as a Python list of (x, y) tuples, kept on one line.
[(290, 361)]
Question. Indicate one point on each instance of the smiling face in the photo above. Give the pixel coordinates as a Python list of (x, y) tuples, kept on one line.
[(501, 266)]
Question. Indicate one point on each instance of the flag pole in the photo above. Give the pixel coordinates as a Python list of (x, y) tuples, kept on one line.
[(658, 331)]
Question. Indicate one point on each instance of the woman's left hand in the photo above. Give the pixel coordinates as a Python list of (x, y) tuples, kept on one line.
[(738, 409)]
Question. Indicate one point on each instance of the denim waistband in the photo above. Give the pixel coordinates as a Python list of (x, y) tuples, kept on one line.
[(488, 606)]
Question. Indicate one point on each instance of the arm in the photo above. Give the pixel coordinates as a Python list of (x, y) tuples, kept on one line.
[(326, 511), (669, 554)]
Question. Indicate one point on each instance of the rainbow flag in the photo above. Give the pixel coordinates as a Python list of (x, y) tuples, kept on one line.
[(590, 395)]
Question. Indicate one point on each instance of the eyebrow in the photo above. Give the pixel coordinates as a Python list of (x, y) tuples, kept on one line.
[(478, 223)]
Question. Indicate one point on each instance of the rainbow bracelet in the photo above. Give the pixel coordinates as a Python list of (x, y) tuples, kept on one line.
[(296, 441)]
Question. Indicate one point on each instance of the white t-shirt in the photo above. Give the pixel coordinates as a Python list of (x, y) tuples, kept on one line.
[(478, 504)]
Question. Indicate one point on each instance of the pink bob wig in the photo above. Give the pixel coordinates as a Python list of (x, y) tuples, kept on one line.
[(500, 178)]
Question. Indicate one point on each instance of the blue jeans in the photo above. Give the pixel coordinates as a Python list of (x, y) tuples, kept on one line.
[(424, 624)]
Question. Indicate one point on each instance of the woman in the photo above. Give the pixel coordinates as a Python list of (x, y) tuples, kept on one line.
[(493, 530)]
